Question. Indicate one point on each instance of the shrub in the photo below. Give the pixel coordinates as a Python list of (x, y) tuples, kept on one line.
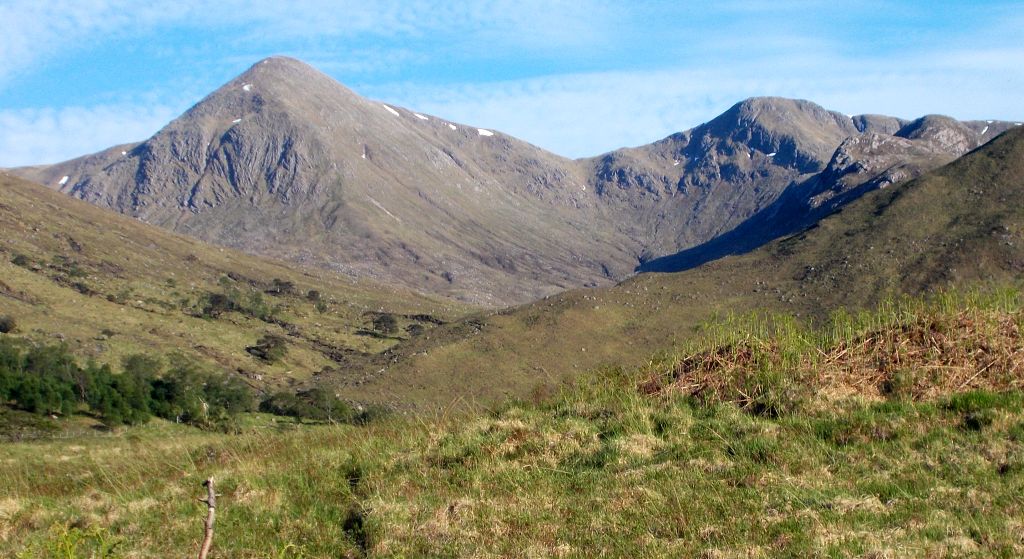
[(385, 323), (415, 329), (255, 306), (21, 260), (215, 304), (7, 324), (773, 393), (269, 348), (315, 403), (281, 287)]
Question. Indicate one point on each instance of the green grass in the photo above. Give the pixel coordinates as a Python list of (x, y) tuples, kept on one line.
[(610, 475), (605, 467)]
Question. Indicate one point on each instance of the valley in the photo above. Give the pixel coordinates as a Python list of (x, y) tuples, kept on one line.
[(786, 331)]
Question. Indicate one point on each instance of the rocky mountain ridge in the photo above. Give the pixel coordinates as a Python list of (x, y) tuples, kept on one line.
[(286, 162)]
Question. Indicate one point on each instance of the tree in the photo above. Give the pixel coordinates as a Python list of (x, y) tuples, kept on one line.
[(177, 394), (135, 384), (315, 403), (328, 406)]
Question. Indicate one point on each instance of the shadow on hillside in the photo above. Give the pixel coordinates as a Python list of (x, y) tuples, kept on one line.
[(790, 213)]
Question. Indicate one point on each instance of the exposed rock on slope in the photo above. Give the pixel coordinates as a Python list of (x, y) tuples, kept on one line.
[(286, 162), (695, 185)]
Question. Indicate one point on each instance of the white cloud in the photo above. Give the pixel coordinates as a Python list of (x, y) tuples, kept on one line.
[(29, 137), (35, 32), (588, 114)]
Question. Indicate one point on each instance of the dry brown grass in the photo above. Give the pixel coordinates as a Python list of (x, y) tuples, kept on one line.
[(928, 357)]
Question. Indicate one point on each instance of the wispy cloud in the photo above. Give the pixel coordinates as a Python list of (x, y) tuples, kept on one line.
[(576, 77), (35, 32), (30, 137), (587, 114)]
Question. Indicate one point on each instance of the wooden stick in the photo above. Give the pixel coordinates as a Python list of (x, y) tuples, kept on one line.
[(211, 506)]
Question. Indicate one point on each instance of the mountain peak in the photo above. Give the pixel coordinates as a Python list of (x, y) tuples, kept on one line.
[(776, 103), (285, 79), (282, 61), (282, 68), (800, 131)]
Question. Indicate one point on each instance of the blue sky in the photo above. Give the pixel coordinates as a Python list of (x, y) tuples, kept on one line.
[(578, 78)]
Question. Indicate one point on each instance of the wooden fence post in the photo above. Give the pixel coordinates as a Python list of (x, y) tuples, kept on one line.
[(211, 506)]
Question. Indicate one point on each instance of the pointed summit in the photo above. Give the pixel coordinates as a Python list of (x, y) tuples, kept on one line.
[(279, 83), (795, 130)]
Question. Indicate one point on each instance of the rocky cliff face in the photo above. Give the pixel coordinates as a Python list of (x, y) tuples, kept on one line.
[(698, 184), (768, 167), (284, 161)]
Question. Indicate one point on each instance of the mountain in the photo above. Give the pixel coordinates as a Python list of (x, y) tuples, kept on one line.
[(958, 226), (283, 161), (109, 286), (286, 162)]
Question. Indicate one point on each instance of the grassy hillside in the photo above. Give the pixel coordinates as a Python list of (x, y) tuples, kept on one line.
[(109, 286), (960, 225), (729, 447)]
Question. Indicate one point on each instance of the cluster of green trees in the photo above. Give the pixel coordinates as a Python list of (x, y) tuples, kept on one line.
[(48, 380)]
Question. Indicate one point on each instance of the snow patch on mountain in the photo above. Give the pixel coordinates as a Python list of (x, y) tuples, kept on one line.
[(383, 209)]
